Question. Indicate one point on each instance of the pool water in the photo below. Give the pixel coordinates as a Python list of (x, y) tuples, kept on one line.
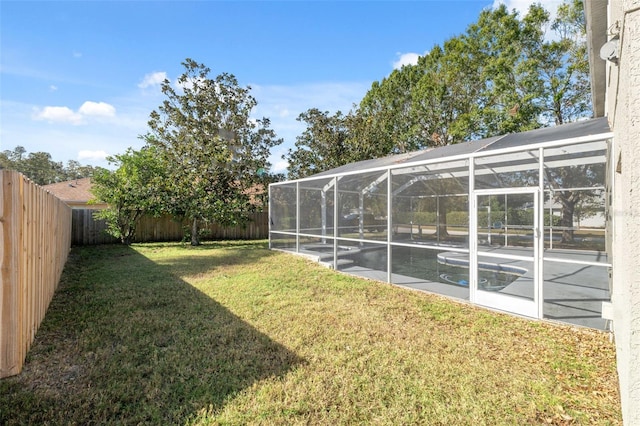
[(423, 264)]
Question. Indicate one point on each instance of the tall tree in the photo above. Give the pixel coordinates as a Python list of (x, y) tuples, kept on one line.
[(322, 146), (564, 67), (40, 168), (383, 123), (215, 152), (565, 96), (500, 45), (445, 98), (12, 159), (471, 87), (503, 75)]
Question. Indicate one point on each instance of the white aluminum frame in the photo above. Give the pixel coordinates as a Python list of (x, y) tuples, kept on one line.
[(517, 305), (495, 300)]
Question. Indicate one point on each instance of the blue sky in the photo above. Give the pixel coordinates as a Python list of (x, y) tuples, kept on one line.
[(78, 79)]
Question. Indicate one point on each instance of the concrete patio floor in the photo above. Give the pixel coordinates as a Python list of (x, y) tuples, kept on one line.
[(573, 292)]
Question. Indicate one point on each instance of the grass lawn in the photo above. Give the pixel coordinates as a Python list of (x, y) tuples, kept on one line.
[(232, 333)]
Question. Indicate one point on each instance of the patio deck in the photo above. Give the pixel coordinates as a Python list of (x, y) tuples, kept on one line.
[(573, 292)]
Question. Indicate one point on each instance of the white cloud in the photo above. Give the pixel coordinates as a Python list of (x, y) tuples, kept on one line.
[(77, 54), (283, 112), (279, 166), (58, 114), (99, 135), (63, 114), (188, 84), (153, 79), (406, 59), (53, 88), (97, 109), (93, 156), (63, 141)]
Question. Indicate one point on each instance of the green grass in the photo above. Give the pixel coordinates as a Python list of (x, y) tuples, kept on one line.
[(231, 333)]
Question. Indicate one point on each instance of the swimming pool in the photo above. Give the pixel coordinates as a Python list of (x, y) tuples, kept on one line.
[(416, 262)]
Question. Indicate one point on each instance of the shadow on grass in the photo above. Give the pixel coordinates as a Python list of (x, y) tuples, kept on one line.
[(127, 341)]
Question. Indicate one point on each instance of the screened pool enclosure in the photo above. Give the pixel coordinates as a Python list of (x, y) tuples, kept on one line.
[(514, 223)]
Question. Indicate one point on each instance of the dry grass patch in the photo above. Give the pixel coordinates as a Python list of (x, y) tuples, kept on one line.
[(231, 333)]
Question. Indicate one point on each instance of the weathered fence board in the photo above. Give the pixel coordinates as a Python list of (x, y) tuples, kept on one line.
[(88, 230), (35, 233)]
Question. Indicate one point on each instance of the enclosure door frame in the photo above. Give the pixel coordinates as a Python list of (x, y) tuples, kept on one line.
[(495, 300)]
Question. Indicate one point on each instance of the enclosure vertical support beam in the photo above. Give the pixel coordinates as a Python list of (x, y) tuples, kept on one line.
[(610, 222), (437, 218), (411, 222), (297, 217), (389, 224), (361, 216), (489, 221), (551, 198), (323, 209), (473, 234), (539, 224), (505, 223), (269, 217), (336, 223)]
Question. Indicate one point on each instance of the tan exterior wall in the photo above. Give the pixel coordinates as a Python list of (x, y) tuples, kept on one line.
[(623, 110)]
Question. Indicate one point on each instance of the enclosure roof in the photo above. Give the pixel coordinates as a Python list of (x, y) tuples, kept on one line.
[(532, 137)]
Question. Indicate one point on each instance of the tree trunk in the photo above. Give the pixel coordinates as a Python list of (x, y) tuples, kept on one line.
[(567, 221), (128, 229), (442, 218), (195, 241)]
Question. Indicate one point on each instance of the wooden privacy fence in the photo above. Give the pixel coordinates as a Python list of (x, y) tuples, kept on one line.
[(35, 237), (88, 230)]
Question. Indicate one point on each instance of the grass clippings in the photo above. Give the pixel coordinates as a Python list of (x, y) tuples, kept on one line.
[(232, 333)]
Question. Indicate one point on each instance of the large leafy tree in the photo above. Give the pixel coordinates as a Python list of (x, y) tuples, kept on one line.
[(505, 74), (500, 45), (383, 122), (323, 145), (11, 159), (75, 170), (40, 168), (475, 85), (215, 152), (565, 96), (445, 98), (563, 67), (135, 188)]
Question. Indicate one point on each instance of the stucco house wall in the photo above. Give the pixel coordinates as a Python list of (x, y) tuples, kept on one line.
[(619, 78)]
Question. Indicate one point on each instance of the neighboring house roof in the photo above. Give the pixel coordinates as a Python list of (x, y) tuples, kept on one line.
[(73, 192), (254, 194), (77, 192)]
